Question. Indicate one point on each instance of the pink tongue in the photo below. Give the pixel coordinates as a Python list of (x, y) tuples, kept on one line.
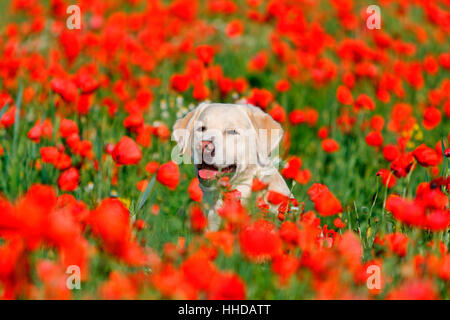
[(207, 174)]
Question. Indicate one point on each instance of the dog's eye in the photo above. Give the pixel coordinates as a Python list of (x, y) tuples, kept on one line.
[(232, 131), (202, 128)]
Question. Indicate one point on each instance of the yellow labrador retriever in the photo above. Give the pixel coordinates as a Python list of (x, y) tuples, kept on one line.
[(229, 139)]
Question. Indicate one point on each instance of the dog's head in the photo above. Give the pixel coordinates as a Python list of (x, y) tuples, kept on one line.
[(226, 138)]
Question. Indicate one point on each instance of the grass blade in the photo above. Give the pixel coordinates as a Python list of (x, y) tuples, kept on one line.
[(145, 195)]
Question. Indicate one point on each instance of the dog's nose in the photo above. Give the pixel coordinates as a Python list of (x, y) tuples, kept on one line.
[(208, 148)]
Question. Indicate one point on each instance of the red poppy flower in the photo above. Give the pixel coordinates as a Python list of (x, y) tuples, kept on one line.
[(402, 165), (426, 156), (431, 118), (414, 290), (240, 85), (69, 179), (195, 193), (198, 219), (225, 85), (226, 286), (110, 221), (338, 223), (292, 168), (65, 88), (430, 65), (205, 53), (387, 178), (330, 145), (179, 82), (260, 241), (402, 118), (377, 123), (258, 62), (86, 82), (258, 185), (285, 266), (444, 60), (223, 240), (438, 220), (276, 198), (278, 113), (407, 211), (391, 152), (374, 139), (118, 287), (68, 127), (199, 271), (40, 129), (151, 167), (344, 95), (260, 98), (49, 154), (312, 115), (297, 117), (168, 174), (282, 85), (126, 152), (234, 28), (8, 118), (325, 202), (322, 133), (289, 232), (363, 101), (397, 243)]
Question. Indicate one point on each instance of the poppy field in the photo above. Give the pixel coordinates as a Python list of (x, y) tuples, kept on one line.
[(92, 205)]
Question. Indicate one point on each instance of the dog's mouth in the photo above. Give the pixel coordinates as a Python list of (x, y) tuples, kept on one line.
[(211, 171)]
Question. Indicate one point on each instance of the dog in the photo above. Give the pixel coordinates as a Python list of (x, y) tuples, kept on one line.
[(234, 140)]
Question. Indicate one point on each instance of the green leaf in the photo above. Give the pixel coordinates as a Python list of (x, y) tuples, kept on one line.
[(3, 109), (17, 119), (144, 196)]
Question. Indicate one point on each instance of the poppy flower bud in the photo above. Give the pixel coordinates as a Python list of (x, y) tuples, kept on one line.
[(447, 152), (140, 224)]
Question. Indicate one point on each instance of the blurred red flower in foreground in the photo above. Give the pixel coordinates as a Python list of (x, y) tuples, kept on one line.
[(260, 241)]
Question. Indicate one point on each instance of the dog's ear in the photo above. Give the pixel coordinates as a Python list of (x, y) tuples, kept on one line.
[(268, 131), (183, 129)]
